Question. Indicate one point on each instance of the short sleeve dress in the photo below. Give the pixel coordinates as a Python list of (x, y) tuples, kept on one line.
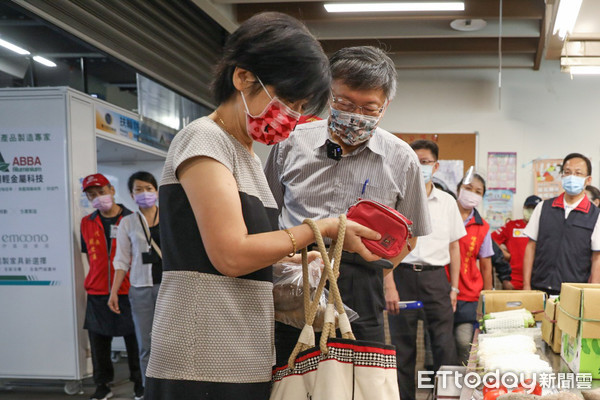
[(212, 336)]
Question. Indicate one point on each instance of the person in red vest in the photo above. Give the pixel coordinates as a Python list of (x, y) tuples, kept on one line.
[(475, 245), (513, 241), (98, 241)]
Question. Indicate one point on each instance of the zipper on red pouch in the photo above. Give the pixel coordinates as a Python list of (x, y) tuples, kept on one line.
[(408, 227)]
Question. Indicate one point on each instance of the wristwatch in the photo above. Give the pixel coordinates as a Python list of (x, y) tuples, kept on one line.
[(454, 289)]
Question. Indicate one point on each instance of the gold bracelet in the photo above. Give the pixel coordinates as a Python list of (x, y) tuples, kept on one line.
[(293, 242)]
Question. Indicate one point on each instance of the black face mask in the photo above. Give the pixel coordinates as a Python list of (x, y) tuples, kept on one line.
[(334, 151)]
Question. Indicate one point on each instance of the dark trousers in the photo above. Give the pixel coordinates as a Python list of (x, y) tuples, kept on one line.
[(361, 288), (549, 292), (103, 369), (433, 289)]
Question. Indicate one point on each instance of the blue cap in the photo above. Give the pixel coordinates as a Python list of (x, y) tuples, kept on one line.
[(532, 201)]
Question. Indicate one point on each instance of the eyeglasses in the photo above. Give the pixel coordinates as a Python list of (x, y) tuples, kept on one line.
[(576, 173), (348, 106)]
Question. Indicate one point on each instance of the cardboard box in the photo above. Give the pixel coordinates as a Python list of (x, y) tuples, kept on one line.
[(550, 330), (505, 300), (579, 321)]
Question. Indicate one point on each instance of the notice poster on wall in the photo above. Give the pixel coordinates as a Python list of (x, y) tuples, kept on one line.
[(497, 207), (34, 212), (449, 173), (546, 178), (502, 171)]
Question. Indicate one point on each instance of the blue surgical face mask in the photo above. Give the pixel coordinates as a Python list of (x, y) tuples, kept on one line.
[(427, 172), (573, 185)]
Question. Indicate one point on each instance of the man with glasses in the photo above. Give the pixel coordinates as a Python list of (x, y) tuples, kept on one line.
[(422, 276), (326, 166), (564, 234)]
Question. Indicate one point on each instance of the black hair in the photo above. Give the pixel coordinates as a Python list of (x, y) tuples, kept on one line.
[(588, 163), (474, 176), (141, 176), (444, 189), (365, 67), (594, 191), (426, 145), (281, 52)]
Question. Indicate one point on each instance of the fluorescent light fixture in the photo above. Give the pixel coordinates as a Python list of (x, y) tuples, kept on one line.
[(584, 69), (13, 47), (580, 65), (397, 6), (568, 10), (44, 61)]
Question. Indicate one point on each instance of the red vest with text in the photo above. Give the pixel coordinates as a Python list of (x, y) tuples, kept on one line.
[(100, 277), (470, 281)]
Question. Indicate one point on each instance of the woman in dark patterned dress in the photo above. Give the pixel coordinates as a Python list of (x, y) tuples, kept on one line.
[(213, 327)]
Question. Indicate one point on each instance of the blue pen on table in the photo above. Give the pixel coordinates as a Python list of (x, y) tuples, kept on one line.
[(364, 187), (410, 305)]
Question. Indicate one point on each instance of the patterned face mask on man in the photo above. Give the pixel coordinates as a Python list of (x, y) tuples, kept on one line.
[(352, 129)]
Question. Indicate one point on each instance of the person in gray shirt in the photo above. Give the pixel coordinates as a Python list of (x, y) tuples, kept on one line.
[(326, 166)]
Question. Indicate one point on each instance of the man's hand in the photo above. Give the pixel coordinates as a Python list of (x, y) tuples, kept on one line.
[(453, 299), (113, 303), (507, 285), (391, 294), (391, 301)]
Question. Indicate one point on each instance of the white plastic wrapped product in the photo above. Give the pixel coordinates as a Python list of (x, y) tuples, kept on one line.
[(288, 294)]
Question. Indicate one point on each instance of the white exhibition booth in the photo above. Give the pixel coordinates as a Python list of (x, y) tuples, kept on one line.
[(50, 138)]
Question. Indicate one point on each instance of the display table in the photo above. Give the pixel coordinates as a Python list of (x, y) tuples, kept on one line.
[(556, 362)]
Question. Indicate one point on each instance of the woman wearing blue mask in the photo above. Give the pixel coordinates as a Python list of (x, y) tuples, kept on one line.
[(139, 255)]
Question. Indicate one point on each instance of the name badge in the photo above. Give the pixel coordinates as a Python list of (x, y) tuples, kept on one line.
[(113, 231), (518, 233)]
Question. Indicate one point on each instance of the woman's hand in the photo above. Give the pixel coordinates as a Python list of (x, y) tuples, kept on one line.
[(352, 241), (297, 258), (113, 303)]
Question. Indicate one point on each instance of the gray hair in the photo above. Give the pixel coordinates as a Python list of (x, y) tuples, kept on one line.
[(365, 67)]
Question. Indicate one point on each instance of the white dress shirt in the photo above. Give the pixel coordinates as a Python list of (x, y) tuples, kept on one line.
[(447, 226), (131, 243)]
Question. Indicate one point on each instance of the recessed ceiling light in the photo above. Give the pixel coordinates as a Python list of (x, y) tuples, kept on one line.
[(397, 6), (468, 25), (566, 17), (13, 47), (44, 61)]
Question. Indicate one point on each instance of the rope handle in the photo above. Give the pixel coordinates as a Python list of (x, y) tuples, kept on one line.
[(330, 272)]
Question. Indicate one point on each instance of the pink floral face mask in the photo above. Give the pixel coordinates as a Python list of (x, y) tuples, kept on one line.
[(274, 123)]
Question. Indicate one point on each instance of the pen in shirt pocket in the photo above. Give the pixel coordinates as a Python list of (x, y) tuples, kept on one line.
[(364, 187)]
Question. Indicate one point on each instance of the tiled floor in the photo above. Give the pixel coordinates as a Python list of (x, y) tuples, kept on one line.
[(33, 390)]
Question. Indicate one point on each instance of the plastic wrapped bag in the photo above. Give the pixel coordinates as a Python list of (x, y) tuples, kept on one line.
[(288, 294)]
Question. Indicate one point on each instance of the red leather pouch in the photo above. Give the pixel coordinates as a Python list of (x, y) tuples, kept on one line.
[(395, 228)]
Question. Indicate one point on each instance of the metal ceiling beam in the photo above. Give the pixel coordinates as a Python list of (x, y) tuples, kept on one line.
[(329, 30), (416, 61), (440, 45)]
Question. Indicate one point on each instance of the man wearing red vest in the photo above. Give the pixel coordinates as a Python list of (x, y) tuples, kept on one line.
[(98, 241), (512, 241)]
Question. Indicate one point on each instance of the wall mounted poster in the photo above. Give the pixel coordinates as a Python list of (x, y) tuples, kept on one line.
[(502, 171), (497, 207), (546, 178)]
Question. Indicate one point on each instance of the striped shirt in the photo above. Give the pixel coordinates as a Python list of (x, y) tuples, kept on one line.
[(308, 184)]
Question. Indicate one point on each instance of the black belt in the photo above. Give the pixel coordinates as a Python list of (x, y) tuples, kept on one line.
[(353, 258), (420, 268)]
